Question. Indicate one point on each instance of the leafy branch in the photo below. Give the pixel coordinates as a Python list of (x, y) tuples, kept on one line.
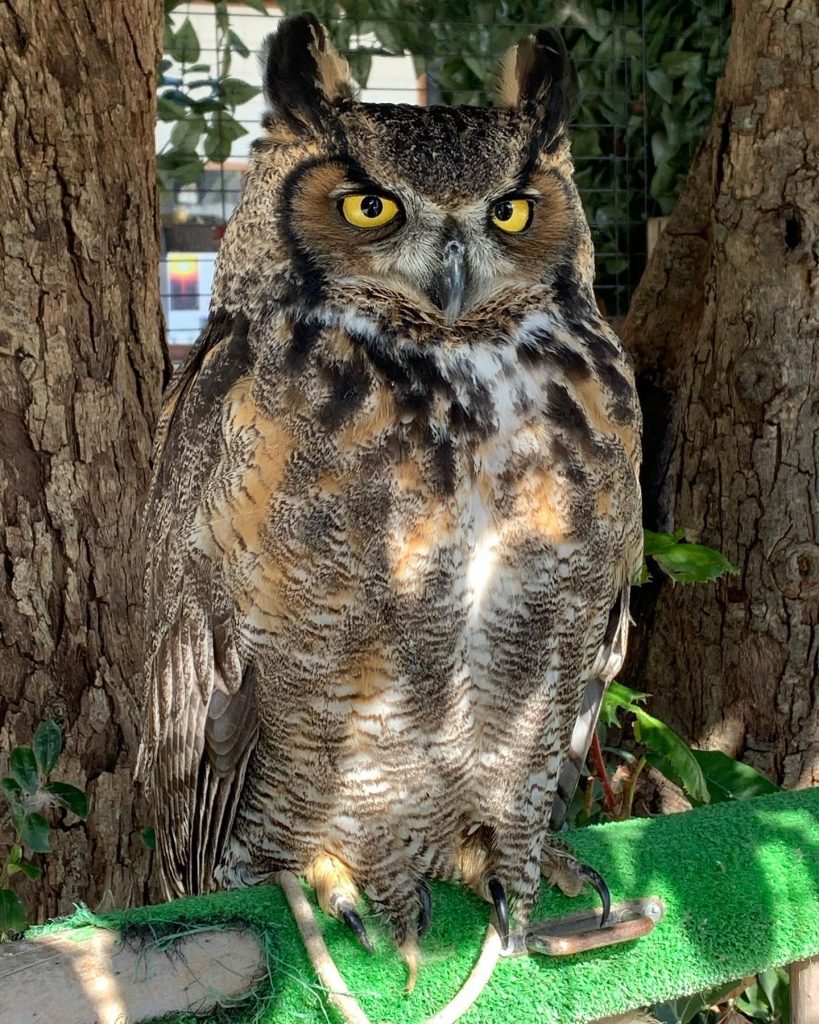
[(198, 100), (647, 74), (705, 776), (683, 561), (31, 796)]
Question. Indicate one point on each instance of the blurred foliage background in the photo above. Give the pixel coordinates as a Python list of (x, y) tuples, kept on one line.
[(647, 72)]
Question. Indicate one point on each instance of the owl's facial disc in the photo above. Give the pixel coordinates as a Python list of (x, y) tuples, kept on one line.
[(445, 253)]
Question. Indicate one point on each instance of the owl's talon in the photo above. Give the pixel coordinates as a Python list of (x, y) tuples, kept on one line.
[(350, 916), (498, 894), (426, 908), (599, 883)]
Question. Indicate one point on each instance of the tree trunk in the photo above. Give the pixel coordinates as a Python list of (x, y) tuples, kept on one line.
[(81, 369), (724, 328)]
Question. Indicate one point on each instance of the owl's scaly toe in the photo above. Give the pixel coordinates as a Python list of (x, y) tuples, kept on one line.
[(337, 894), (562, 869)]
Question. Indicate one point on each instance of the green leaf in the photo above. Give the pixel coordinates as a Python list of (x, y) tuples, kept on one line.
[(661, 149), (619, 698), (684, 562), (23, 765), (186, 134), (654, 542), (12, 790), (627, 697), (17, 816), (219, 140), (70, 797), (168, 110), (29, 870), (149, 837), (207, 106), (609, 712), (616, 265), (236, 44), (360, 67), (753, 1003), (185, 45), (728, 779), (236, 92), (16, 864), (12, 912), (769, 982), (679, 62), (34, 833), (671, 755), (180, 168), (685, 1009), (48, 742), (257, 5)]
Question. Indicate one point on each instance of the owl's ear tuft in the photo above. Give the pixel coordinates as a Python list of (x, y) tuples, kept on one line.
[(538, 77), (305, 77)]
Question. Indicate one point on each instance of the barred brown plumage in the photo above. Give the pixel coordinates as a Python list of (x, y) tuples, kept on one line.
[(395, 510)]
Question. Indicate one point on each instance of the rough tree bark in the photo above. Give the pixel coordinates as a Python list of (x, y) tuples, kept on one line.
[(81, 368), (724, 328)]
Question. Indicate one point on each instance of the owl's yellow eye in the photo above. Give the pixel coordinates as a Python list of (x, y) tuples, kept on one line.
[(368, 211), (513, 215)]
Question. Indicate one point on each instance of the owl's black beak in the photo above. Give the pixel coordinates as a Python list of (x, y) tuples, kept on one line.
[(449, 284)]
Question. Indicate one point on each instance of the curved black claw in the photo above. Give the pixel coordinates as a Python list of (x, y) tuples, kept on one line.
[(350, 916), (426, 908), (498, 894), (599, 883)]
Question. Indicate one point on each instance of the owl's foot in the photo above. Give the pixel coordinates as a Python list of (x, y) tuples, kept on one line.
[(406, 902), (337, 992), (338, 894), (561, 868), (409, 947), (409, 954)]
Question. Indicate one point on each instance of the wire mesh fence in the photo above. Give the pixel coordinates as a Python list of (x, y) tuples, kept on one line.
[(647, 74)]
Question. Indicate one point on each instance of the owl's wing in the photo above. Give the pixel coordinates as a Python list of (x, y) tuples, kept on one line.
[(201, 727), (607, 664), (200, 724)]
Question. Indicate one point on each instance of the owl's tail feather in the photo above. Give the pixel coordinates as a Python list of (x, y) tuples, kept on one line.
[(339, 996)]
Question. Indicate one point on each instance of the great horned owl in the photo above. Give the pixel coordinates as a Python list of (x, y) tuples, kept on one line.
[(395, 511)]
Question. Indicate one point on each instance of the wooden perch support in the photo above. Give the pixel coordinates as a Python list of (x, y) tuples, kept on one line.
[(89, 975), (805, 991)]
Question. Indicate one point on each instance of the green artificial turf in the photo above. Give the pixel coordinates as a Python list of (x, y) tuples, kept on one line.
[(740, 881)]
